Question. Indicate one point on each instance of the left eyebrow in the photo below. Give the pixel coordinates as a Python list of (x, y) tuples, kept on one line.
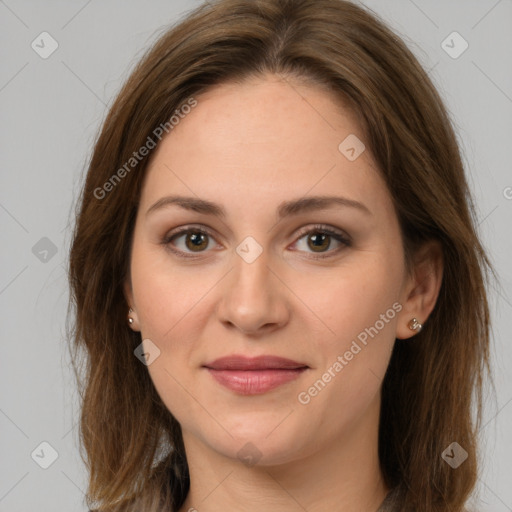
[(311, 203), (285, 209)]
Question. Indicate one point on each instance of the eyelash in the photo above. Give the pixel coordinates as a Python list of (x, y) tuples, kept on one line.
[(317, 229)]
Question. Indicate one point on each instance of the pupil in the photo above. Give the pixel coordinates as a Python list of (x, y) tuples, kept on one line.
[(196, 239), (318, 238)]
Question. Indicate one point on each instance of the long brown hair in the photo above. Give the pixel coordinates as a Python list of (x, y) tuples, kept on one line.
[(133, 446)]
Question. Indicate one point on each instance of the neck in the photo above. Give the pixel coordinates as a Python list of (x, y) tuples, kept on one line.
[(344, 475)]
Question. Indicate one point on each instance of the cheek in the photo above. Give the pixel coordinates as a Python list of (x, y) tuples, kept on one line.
[(343, 302), (360, 308), (340, 393), (170, 313), (167, 296)]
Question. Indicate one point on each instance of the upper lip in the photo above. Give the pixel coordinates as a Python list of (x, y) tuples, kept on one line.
[(236, 362)]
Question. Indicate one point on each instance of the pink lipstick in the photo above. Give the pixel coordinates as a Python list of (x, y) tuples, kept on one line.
[(254, 376)]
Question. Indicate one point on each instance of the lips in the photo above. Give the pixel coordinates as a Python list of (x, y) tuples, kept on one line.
[(254, 363), (254, 376)]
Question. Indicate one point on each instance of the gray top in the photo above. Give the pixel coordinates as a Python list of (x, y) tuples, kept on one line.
[(390, 502)]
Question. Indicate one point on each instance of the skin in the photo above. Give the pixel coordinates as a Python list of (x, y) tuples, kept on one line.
[(249, 147)]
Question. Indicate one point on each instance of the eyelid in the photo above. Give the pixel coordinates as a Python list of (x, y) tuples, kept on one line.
[(184, 230), (341, 236), (324, 228)]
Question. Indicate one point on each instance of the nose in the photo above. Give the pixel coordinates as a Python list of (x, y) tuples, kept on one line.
[(253, 297)]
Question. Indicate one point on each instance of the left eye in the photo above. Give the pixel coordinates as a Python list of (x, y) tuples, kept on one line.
[(196, 240), (320, 239)]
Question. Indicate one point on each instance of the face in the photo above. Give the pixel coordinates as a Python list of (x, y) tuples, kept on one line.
[(320, 285)]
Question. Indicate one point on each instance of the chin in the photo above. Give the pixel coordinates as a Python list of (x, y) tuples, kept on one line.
[(261, 443)]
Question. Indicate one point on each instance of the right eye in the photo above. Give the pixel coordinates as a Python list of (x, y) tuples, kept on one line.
[(195, 241)]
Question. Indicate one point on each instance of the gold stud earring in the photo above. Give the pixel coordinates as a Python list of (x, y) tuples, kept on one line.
[(414, 325)]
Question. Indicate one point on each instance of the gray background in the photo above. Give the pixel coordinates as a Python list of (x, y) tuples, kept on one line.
[(51, 110)]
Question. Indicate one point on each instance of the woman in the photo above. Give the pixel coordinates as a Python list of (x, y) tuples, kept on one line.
[(276, 274)]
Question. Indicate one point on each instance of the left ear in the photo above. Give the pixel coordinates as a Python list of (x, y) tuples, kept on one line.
[(420, 292)]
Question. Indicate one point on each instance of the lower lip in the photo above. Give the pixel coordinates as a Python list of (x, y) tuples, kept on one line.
[(254, 382)]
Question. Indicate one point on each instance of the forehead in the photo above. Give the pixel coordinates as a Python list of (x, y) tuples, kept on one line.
[(262, 142)]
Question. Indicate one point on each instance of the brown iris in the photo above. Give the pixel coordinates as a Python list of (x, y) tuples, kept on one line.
[(318, 237), (197, 241)]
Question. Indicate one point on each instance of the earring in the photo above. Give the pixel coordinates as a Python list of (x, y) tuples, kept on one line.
[(414, 325), (130, 319)]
